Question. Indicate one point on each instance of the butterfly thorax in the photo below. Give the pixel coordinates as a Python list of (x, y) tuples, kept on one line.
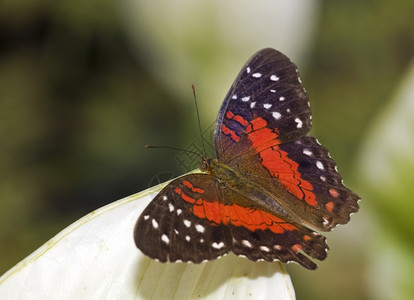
[(254, 195), (222, 172)]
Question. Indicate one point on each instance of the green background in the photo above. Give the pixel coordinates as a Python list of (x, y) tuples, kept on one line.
[(78, 103)]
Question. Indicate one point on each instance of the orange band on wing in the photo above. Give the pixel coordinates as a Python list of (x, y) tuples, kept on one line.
[(250, 218), (241, 120), (194, 189), (277, 162), (230, 132), (231, 116), (227, 131)]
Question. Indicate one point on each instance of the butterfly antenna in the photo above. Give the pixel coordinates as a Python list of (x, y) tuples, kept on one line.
[(173, 148), (198, 119)]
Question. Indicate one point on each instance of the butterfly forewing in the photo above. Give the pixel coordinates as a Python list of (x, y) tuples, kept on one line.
[(169, 230), (266, 143), (195, 218), (268, 87)]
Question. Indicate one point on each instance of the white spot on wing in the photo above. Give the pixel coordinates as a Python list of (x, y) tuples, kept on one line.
[(273, 91), (267, 105), (217, 245), (276, 115), (179, 211), (252, 104), (278, 247), (146, 217), (248, 70), (164, 197), (245, 99), (234, 97), (154, 224), (307, 152), (282, 99), (171, 207), (264, 248), (187, 238), (165, 239), (274, 78), (187, 223), (246, 243), (323, 178), (200, 228), (319, 165), (300, 81), (257, 75), (300, 123)]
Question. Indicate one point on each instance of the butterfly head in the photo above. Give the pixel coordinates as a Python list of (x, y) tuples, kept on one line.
[(205, 164)]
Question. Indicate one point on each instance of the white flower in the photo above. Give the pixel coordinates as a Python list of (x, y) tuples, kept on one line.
[(96, 258)]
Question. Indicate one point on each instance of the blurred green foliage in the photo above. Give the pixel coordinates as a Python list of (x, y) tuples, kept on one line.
[(386, 163), (77, 106), (76, 109), (362, 51)]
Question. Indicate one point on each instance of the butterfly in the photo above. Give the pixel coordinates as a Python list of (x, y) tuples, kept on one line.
[(270, 187)]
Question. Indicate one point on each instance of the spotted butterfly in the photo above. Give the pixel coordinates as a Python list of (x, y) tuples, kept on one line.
[(270, 186)]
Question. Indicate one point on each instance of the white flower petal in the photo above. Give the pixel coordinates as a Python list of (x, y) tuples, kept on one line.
[(96, 258)]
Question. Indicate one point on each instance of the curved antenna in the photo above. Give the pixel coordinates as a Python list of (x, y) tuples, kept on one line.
[(174, 148), (198, 119)]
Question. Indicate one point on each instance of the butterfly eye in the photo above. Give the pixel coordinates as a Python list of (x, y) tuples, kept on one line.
[(205, 163)]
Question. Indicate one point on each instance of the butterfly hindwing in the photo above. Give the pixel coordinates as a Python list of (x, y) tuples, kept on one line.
[(195, 218), (261, 235), (303, 179), (331, 202), (287, 246)]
